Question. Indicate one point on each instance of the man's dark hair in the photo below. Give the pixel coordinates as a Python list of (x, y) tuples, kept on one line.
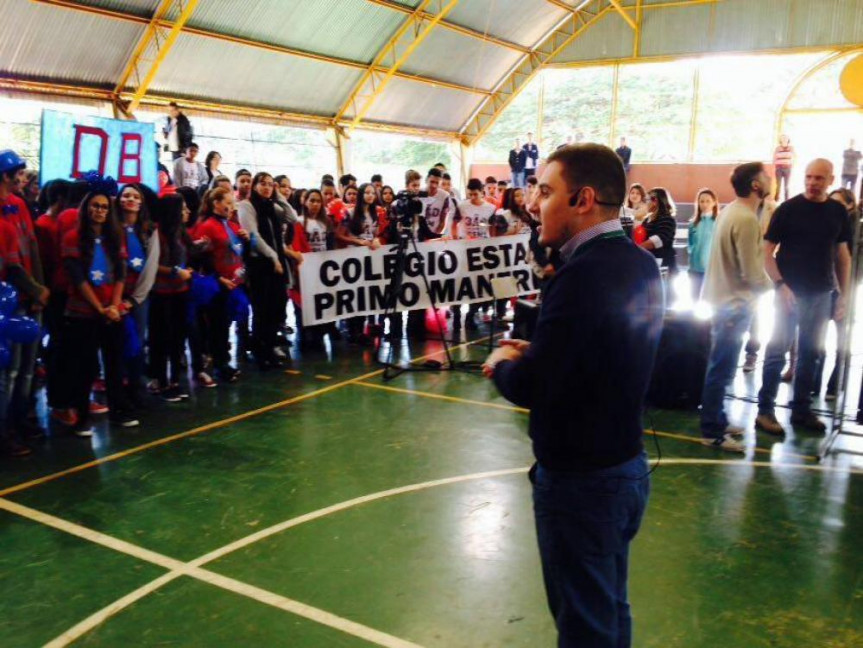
[(377, 177), (593, 165), (434, 171), (326, 182), (327, 176), (192, 145), (346, 180), (411, 176), (502, 183), (242, 172), (531, 180), (446, 176), (491, 180), (474, 184), (173, 104), (441, 165), (743, 176)]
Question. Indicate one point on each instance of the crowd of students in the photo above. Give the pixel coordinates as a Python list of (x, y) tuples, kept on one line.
[(134, 287)]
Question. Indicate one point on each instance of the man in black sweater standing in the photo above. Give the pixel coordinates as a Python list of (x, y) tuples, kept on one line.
[(584, 377), (517, 158)]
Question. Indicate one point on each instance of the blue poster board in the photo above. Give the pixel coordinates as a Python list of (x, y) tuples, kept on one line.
[(72, 145)]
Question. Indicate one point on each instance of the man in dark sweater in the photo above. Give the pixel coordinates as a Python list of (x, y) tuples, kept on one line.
[(517, 158), (584, 377)]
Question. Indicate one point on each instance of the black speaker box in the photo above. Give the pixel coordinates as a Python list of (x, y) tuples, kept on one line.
[(681, 362)]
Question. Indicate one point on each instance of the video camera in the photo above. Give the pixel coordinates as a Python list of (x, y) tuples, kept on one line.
[(407, 206)]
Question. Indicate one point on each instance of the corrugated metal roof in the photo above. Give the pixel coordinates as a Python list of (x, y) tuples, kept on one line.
[(610, 37), (676, 30), (741, 26), (454, 57), (524, 22), (351, 29), (38, 41), (827, 22), (138, 7), (413, 104), (203, 68)]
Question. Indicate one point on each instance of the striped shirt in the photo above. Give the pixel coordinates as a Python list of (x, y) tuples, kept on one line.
[(783, 156)]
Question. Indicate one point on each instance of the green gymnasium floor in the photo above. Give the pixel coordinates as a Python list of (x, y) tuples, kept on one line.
[(322, 508)]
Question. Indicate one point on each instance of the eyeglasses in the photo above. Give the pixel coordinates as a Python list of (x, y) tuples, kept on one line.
[(98, 207)]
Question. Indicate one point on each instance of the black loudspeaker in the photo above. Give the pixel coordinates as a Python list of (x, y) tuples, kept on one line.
[(524, 321), (681, 362)]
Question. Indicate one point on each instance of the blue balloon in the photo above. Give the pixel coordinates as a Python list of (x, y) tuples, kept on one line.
[(8, 300), (5, 355), (19, 330)]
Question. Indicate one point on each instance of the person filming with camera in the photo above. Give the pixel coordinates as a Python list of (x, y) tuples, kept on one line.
[(584, 376)]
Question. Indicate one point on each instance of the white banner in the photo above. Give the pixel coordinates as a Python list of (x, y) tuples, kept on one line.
[(355, 281)]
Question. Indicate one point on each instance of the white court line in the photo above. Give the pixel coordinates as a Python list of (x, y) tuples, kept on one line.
[(192, 569)]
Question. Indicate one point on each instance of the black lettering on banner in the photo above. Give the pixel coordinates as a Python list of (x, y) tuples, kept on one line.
[(522, 278), (520, 254), (474, 262), (352, 270), (448, 262), (484, 284), (413, 264), (491, 259), (431, 266), (345, 302), (326, 267), (377, 297), (323, 301), (369, 273), (506, 247), (442, 290), (465, 290), (390, 262), (410, 294), (361, 299)]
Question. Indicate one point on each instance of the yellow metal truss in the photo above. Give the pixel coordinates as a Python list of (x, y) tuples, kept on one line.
[(152, 49), (113, 14), (582, 18), (392, 56)]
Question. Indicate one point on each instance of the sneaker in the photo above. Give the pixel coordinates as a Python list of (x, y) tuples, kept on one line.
[(788, 376), (66, 417), (99, 386), (279, 355), (228, 374), (830, 396), (82, 430), (171, 395), (749, 364), (182, 393), (734, 431), (769, 424), (808, 421), (154, 387), (203, 379), (98, 408), (124, 419), (726, 442), (14, 448)]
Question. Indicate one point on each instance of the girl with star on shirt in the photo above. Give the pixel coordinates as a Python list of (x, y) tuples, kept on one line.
[(141, 266), (94, 258)]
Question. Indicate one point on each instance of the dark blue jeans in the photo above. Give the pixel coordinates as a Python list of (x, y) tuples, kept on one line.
[(584, 524), (730, 323), (811, 314)]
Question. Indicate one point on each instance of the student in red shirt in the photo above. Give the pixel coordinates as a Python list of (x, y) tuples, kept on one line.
[(223, 258), (312, 233), (10, 441), (95, 261), (32, 298)]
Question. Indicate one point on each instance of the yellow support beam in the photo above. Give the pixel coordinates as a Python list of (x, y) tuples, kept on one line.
[(394, 54), (193, 105), (76, 5), (445, 24), (582, 18), (619, 8), (639, 15), (152, 49)]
